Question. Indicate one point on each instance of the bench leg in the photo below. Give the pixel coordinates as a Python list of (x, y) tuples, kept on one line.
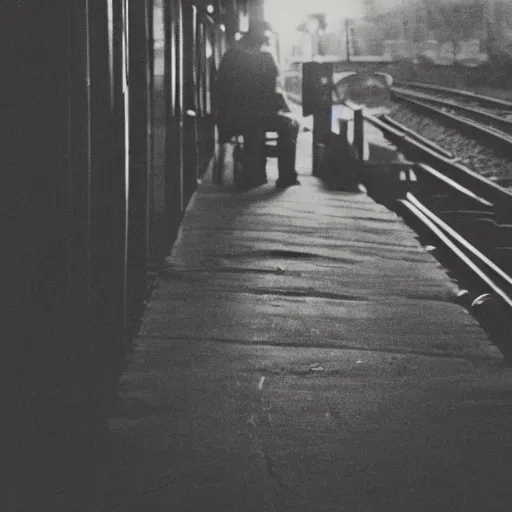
[(218, 164), (254, 158)]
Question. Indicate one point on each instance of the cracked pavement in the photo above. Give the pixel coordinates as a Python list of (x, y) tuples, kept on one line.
[(301, 351)]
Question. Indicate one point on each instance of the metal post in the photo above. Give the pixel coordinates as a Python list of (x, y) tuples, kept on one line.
[(347, 39), (321, 128), (317, 101), (343, 127), (359, 133), (322, 116)]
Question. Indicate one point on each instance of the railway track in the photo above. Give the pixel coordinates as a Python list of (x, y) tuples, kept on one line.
[(467, 218), (464, 217), (486, 287), (415, 150), (478, 100), (494, 131), (501, 120)]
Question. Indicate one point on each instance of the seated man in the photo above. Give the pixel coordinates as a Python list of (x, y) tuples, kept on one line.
[(247, 103)]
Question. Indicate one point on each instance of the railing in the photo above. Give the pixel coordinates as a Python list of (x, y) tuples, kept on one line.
[(466, 217)]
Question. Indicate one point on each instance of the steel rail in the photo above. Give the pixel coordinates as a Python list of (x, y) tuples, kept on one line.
[(491, 134), (452, 185), (394, 131), (461, 240), (418, 152), (480, 116), (489, 100), (469, 263), (417, 136), (426, 217)]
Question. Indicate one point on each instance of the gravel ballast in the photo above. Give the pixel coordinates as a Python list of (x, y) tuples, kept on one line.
[(468, 150)]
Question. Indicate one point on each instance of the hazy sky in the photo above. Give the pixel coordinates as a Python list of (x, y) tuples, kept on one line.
[(285, 15)]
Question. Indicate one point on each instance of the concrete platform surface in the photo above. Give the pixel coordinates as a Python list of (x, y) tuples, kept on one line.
[(302, 352)]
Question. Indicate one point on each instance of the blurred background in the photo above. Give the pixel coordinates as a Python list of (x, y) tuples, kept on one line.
[(442, 32)]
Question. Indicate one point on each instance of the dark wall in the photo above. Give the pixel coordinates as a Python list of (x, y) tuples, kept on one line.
[(34, 162), (101, 134), (102, 141)]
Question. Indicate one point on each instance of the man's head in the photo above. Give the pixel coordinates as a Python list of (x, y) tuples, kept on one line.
[(257, 36)]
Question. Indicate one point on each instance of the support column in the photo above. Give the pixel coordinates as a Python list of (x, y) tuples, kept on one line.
[(317, 100), (256, 10), (359, 133), (138, 151)]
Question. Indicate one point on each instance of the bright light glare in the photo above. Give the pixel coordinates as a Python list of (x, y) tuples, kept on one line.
[(210, 9), (286, 15), (238, 36), (312, 25)]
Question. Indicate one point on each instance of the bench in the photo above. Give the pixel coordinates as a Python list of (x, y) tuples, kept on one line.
[(246, 175)]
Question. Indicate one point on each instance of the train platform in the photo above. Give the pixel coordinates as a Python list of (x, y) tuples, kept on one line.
[(302, 352)]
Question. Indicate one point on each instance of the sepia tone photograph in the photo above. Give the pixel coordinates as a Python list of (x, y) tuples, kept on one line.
[(257, 256)]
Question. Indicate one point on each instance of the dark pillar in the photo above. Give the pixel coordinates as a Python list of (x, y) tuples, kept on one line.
[(80, 167), (138, 151), (118, 175), (256, 10), (174, 106), (317, 100), (190, 114), (359, 133)]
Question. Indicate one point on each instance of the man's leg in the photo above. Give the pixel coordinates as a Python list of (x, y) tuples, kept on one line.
[(251, 172), (254, 154)]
